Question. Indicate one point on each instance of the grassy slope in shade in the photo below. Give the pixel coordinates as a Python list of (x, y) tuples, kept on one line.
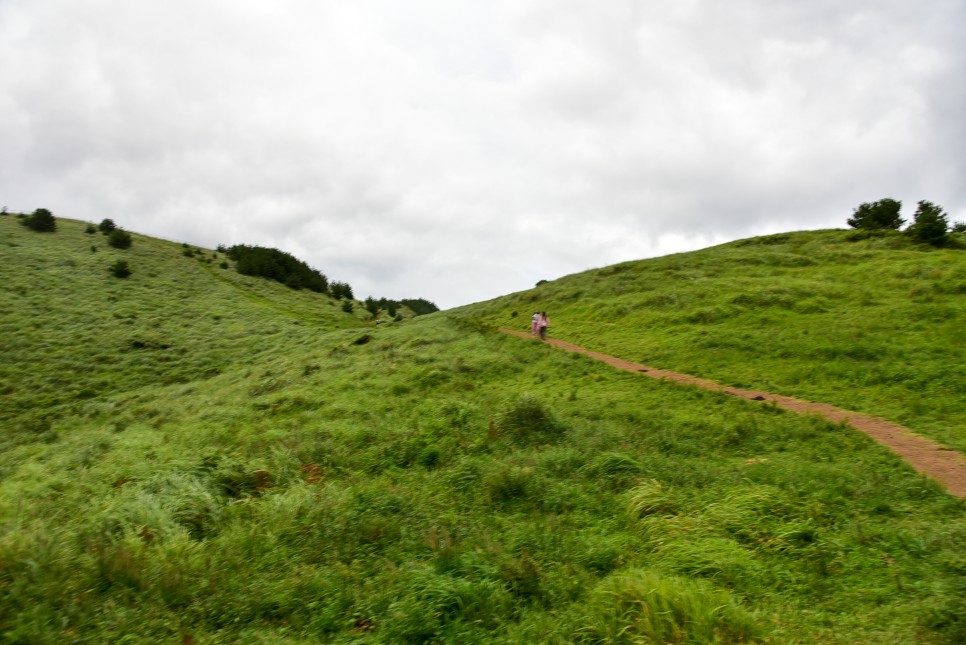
[(872, 324), (277, 482)]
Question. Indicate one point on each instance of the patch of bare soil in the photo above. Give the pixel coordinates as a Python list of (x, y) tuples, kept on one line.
[(934, 460)]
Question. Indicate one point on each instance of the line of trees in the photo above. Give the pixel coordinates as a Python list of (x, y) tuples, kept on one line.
[(418, 306), (930, 222), (276, 265), (283, 267)]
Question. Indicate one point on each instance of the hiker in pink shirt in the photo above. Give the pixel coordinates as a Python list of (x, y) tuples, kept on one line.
[(542, 324)]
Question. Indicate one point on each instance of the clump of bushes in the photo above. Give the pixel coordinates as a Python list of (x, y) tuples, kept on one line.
[(418, 306), (930, 224), (276, 265), (41, 220), (340, 290), (119, 239), (881, 215)]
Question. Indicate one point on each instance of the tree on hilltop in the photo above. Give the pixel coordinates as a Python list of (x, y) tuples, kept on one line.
[(880, 215), (929, 225), (41, 220)]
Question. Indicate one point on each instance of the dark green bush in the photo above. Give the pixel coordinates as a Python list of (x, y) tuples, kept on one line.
[(340, 290), (419, 306), (106, 226), (276, 265), (119, 239), (90, 229), (883, 214), (41, 220), (347, 306), (120, 269), (929, 225)]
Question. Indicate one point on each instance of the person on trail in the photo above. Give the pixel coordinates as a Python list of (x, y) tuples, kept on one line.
[(543, 323), (535, 324)]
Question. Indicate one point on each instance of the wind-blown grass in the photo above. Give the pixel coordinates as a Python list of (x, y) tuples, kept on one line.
[(872, 323), (439, 483)]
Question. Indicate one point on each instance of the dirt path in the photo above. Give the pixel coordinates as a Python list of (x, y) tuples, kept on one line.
[(939, 462)]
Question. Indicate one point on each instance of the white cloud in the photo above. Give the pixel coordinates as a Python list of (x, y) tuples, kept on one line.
[(459, 151)]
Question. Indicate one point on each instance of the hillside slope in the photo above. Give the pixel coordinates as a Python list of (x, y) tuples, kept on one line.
[(868, 323), (180, 317), (260, 469)]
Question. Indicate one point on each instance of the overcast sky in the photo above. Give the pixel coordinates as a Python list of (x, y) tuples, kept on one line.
[(461, 150)]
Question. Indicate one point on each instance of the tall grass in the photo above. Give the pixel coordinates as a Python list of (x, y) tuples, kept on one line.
[(437, 483), (875, 324)]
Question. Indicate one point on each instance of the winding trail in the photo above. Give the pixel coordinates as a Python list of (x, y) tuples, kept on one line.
[(934, 460)]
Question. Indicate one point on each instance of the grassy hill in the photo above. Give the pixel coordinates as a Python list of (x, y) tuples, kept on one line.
[(872, 323), (194, 456)]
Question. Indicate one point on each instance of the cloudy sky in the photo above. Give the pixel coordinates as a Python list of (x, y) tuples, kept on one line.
[(458, 151)]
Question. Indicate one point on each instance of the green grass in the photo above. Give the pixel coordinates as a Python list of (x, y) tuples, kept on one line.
[(435, 483), (874, 323)]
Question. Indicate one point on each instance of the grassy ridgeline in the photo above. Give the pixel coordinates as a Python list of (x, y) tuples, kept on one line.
[(867, 322), (436, 482)]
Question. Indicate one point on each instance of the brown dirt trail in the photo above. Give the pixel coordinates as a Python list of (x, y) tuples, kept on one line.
[(934, 460)]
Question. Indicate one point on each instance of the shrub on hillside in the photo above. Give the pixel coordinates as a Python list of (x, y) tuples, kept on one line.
[(90, 229), (119, 239), (276, 265), (883, 214), (120, 269), (340, 290), (106, 226), (929, 224), (419, 306), (41, 220)]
